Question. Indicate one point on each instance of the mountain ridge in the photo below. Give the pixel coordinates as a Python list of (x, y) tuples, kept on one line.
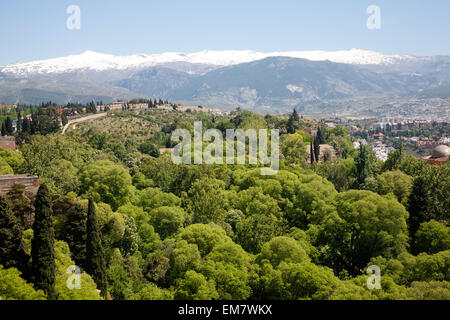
[(90, 60)]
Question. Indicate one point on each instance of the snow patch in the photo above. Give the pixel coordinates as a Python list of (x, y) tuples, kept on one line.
[(90, 60), (293, 89)]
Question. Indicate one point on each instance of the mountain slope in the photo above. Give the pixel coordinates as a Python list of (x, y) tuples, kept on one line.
[(272, 81), (90, 60), (226, 78)]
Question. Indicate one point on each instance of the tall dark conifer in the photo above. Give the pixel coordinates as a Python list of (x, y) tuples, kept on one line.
[(293, 122), (362, 163), (321, 135), (43, 244), (12, 252), (419, 206), (9, 126), (95, 257), (4, 132), (316, 149)]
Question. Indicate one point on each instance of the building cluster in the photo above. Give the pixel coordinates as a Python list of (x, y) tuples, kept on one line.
[(399, 124), (440, 155), (427, 142), (381, 150)]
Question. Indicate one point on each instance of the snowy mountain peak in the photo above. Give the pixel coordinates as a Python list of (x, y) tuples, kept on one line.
[(90, 60)]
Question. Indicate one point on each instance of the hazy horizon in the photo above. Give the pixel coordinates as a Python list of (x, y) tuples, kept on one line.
[(37, 30)]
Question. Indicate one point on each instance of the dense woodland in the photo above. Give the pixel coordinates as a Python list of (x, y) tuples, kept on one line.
[(140, 227)]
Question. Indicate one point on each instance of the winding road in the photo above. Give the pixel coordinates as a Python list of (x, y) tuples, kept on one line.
[(93, 116)]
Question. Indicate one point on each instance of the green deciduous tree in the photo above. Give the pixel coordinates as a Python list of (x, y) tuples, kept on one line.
[(167, 220), (13, 287), (432, 237), (194, 286), (397, 183), (206, 237), (206, 201), (64, 270), (106, 182), (366, 225)]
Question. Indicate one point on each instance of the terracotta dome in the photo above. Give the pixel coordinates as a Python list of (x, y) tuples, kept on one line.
[(441, 152)]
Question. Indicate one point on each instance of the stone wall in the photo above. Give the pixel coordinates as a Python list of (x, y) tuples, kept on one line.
[(30, 182), (7, 142)]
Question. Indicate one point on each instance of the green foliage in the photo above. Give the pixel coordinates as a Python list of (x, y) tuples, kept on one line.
[(206, 237), (432, 237), (397, 183), (13, 287), (130, 241), (88, 288), (21, 205), (70, 226), (95, 257), (194, 286), (306, 281), (106, 182), (151, 292), (5, 169), (283, 249), (206, 201), (12, 250), (232, 282), (166, 231), (342, 173), (365, 225), (293, 149), (433, 290), (149, 148), (13, 158), (167, 220), (42, 245), (255, 230), (153, 198), (406, 268), (184, 257), (119, 283)]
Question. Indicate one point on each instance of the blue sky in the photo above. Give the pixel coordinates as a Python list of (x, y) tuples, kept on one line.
[(31, 30)]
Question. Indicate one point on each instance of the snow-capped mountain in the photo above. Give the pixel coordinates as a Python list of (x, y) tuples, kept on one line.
[(93, 61), (248, 79)]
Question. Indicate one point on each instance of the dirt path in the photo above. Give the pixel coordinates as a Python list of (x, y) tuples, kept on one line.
[(93, 116)]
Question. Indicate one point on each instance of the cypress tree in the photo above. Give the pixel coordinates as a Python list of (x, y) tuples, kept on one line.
[(321, 136), (362, 163), (4, 133), (317, 148), (42, 246), (95, 257), (9, 126), (419, 206), (293, 122), (12, 251), (311, 151), (26, 126)]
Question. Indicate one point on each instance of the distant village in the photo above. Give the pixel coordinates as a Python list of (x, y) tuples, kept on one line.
[(381, 132)]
